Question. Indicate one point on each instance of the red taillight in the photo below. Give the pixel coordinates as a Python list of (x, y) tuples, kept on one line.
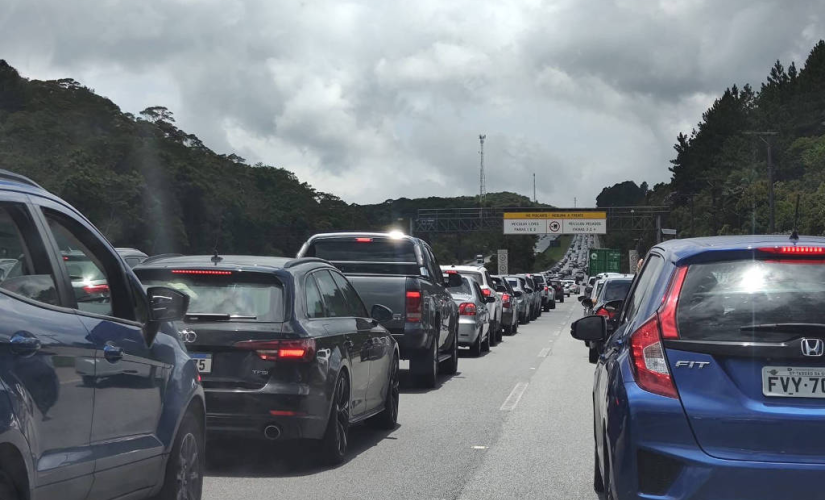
[(96, 289), (649, 362), (451, 271), (363, 240), (413, 306), (794, 250), (486, 291), (467, 309), (667, 311), (604, 312), (201, 272), (505, 300), (275, 350), (285, 413)]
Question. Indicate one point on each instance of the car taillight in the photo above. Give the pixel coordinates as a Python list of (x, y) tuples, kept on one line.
[(604, 312), (486, 292), (467, 309), (794, 250), (363, 240), (505, 300), (546, 289), (280, 350), (201, 272), (413, 306), (646, 348), (96, 289)]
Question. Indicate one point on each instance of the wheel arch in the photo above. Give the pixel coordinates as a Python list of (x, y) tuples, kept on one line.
[(17, 463)]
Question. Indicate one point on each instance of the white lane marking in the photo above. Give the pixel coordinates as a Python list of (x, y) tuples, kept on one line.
[(544, 352), (479, 447), (514, 397)]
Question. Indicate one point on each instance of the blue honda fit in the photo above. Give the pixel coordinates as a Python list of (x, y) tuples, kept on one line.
[(710, 385)]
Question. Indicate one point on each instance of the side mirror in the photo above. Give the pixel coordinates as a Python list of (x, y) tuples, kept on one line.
[(581, 298), (589, 328), (587, 290), (381, 314), (586, 302), (518, 293), (490, 300), (452, 280), (528, 290), (166, 304)]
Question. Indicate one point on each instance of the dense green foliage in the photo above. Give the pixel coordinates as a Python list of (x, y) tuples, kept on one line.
[(148, 184), (719, 182)]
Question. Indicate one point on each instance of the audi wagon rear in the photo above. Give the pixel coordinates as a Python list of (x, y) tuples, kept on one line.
[(711, 387)]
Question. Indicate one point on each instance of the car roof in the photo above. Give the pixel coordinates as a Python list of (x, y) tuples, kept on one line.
[(235, 262), (130, 252), (363, 234), (465, 268), (679, 250)]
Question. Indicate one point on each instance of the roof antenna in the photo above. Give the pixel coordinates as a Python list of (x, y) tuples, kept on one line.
[(217, 258), (794, 235)]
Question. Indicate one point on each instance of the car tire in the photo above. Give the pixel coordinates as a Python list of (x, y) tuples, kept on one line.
[(553, 305), (485, 346), (515, 328), (492, 336), (8, 490), (335, 442), (451, 365), (598, 482), (185, 465), (500, 334), (388, 418), (475, 349), (561, 300), (425, 366)]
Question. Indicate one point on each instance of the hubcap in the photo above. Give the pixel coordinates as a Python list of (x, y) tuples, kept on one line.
[(188, 469), (342, 416)]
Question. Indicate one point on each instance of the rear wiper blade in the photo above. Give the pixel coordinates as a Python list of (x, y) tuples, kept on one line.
[(785, 327), (217, 317)]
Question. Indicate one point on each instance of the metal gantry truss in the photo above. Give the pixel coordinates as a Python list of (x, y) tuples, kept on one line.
[(468, 220)]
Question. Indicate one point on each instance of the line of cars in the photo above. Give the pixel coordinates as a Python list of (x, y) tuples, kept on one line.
[(710, 365)]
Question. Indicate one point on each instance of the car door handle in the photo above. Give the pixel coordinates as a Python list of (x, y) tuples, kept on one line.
[(24, 344), (112, 353)]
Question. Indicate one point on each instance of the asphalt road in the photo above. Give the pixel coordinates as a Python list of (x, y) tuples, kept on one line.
[(514, 423)]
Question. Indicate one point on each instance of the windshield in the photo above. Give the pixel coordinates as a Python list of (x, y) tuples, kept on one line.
[(239, 296), (370, 250), (465, 288)]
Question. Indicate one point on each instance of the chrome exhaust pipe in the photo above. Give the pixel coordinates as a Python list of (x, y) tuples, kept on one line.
[(272, 432)]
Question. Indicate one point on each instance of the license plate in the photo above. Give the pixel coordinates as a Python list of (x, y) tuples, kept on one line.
[(203, 361), (793, 382)]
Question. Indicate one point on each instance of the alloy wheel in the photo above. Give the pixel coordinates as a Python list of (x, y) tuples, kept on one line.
[(189, 469)]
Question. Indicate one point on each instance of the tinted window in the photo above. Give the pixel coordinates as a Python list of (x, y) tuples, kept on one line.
[(24, 267), (538, 279), (315, 304), (472, 274), (616, 290), (240, 296), (337, 306), (650, 271), (354, 302), (513, 283), (464, 289), (720, 301), (374, 250)]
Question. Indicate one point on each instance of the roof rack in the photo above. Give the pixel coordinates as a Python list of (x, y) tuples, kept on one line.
[(160, 256), (22, 179), (304, 260)]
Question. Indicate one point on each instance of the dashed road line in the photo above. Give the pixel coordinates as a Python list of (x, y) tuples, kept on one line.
[(544, 352), (514, 397)]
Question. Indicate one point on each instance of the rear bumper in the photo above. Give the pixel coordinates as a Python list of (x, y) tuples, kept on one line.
[(301, 412), (468, 332), (412, 340)]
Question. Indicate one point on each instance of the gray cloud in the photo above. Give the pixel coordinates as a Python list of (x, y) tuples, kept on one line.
[(372, 100)]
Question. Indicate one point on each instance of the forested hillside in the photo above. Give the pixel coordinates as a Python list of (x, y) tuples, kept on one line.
[(148, 184), (719, 183)]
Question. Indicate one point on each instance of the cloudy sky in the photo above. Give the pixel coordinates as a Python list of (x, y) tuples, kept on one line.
[(378, 99)]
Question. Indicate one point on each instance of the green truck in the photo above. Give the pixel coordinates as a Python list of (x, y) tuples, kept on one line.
[(604, 260)]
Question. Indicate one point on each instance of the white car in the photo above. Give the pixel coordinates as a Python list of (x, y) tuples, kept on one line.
[(485, 281)]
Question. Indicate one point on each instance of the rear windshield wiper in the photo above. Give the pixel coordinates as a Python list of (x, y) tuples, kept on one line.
[(785, 328), (217, 317)]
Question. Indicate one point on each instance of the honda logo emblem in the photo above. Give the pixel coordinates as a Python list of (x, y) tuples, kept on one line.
[(188, 336), (813, 347)]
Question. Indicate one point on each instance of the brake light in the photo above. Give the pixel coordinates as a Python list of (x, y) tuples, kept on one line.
[(280, 350), (604, 312), (467, 309), (794, 250), (363, 240), (649, 363), (96, 289), (667, 311), (505, 300), (413, 306), (451, 271), (201, 272), (486, 292), (285, 413)]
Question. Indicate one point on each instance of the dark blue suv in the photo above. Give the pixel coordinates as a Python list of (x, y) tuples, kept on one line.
[(712, 385), (98, 397)]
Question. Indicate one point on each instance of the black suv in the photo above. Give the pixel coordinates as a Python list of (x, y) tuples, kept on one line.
[(285, 347), (98, 397)]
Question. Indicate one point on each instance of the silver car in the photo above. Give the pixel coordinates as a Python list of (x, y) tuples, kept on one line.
[(473, 317)]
